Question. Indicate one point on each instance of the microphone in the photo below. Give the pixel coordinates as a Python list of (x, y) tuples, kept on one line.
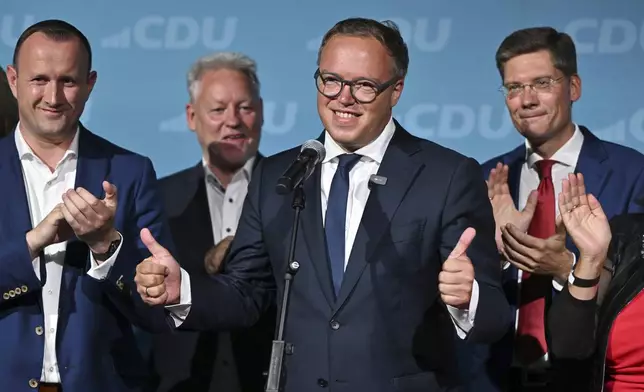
[(311, 154)]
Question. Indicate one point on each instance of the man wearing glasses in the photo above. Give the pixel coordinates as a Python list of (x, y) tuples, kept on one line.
[(538, 67), (396, 248)]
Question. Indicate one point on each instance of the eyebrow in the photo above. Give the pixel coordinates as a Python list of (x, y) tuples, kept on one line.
[(533, 79), (376, 81)]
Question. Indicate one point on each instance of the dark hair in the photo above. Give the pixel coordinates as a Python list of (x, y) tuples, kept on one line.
[(56, 30), (560, 45), (387, 33), (8, 107)]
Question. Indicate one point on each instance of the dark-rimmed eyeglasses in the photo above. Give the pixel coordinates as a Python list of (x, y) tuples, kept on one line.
[(363, 90)]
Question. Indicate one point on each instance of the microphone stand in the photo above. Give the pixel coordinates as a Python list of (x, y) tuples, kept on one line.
[(275, 381)]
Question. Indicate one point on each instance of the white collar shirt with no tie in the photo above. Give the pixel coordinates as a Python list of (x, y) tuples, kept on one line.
[(225, 204), (44, 190)]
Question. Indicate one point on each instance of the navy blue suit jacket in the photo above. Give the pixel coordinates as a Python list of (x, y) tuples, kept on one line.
[(388, 329), (96, 348), (612, 173)]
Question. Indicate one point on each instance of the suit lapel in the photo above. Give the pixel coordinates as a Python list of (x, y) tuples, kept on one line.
[(400, 170), (91, 170), (16, 202), (515, 163), (313, 231), (591, 157), (93, 164)]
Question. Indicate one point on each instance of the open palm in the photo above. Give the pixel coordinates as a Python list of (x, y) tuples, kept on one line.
[(584, 218), (503, 206)]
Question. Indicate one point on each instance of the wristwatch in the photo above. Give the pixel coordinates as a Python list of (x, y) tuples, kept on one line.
[(579, 282), (114, 245)]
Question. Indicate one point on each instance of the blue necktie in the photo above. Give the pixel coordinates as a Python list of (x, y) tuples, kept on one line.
[(336, 215)]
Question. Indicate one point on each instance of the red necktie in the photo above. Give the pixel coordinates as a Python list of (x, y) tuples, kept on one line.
[(531, 337)]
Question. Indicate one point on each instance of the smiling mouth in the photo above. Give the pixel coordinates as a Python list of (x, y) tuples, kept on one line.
[(239, 136), (52, 111), (345, 114)]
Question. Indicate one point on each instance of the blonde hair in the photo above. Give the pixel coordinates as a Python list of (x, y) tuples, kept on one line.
[(222, 60)]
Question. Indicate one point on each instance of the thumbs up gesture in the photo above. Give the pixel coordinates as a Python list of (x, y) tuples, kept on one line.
[(456, 279), (158, 278), (92, 219)]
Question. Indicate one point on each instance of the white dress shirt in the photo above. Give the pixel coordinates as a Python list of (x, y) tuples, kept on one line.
[(225, 207), (44, 191), (565, 162), (358, 195), (225, 203)]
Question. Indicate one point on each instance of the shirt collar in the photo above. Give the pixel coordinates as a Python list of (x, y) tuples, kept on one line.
[(374, 151), (245, 170), (566, 155), (25, 152)]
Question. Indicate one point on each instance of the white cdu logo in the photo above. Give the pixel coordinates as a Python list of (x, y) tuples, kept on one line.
[(619, 131), (605, 36), (419, 34), (456, 121), (175, 33)]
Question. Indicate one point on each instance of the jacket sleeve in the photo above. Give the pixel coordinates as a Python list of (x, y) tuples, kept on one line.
[(246, 289), (572, 323), (145, 211), (17, 276), (467, 205)]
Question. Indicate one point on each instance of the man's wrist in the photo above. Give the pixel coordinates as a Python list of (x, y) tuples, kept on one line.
[(566, 267), (33, 243), (103, 246)]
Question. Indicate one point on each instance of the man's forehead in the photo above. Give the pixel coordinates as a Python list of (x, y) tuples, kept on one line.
[(528, 67)]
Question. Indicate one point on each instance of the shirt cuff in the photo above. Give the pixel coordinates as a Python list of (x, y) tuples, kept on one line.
[(464, 319), (556, 282), (179, 312), (100, 271)]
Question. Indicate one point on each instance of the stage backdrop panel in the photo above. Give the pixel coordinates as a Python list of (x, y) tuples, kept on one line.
[(143, 48)]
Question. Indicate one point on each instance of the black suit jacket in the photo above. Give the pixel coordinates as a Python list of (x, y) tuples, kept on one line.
[(388, 330), (184, 360)]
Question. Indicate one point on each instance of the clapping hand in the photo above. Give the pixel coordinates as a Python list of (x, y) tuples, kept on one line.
[(584, 220), (503, 206)]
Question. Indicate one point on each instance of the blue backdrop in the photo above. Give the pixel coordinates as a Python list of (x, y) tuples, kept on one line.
[(143, 49)]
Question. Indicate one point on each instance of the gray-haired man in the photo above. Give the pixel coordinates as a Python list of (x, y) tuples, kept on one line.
[(203, 204)]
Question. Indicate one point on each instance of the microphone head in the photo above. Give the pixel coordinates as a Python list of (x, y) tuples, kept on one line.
[(317, 147)]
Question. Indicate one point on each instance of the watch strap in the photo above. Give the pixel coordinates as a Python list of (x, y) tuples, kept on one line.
[(585, 283), (114, 245)]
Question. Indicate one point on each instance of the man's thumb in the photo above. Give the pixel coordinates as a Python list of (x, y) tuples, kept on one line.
[(463, 243), (531, 204), (110, 191), (153, 246)]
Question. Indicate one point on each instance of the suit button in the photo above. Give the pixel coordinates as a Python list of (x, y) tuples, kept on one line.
[(323, 383), (24, 288), (12, 293), (39, 330), (18, 291), (335, 325), (33, 383), (5, 296)]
